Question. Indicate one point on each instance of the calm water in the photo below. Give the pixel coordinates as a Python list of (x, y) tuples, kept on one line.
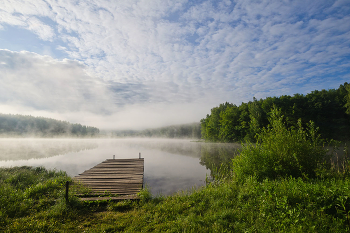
[(171, 165)]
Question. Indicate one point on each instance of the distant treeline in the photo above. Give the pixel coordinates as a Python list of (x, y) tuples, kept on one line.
[(19, 125), (192, 130), (328, 109)]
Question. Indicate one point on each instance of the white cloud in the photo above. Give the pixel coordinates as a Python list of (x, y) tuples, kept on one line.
[(44, 31), (44, 83), (38, 85), (150, 53)]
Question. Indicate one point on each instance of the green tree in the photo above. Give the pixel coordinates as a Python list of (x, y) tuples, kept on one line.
[(281, 152), (229, 121), (255, 114), (347, 97), (211, 124)]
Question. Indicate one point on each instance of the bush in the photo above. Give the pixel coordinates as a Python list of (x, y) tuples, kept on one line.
[(281, 152)]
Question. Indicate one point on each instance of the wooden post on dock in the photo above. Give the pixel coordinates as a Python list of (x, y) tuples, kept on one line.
[(139, 155), (67, 190), (113, 156)]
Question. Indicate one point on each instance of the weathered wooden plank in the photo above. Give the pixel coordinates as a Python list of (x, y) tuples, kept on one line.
[(115, 168), (124, 197), (131, 182), (117, 191), (114, 189), (121, 164), (109, 177), (123, 160), (109, 187), (109, 174), (114, 172), (104, 185), (110, 181)]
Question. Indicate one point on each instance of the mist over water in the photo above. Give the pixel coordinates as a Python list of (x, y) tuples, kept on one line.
[(171, 165), (27, 148)]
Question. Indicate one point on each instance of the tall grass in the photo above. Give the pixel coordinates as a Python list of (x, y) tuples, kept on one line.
[(24, 190), (288, 204), (282, 152)]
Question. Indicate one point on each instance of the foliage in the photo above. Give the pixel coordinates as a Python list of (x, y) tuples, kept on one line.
[(217, 157), (25, 189), (281, 152), (19, 125), (328, 109), (191, 130), (211, 125), (287, 204), (347, 98)]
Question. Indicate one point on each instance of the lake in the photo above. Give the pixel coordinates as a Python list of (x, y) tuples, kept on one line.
[(171, 165)]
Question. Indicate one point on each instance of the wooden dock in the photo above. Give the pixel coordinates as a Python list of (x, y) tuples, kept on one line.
[(115, 176)]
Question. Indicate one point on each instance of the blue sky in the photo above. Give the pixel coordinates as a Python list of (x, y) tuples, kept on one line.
[(144, 63)]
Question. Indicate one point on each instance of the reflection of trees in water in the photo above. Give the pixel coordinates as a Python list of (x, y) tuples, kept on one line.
[(173, 146), (216, 155), (212, 155), (191, 149), (18, 149)]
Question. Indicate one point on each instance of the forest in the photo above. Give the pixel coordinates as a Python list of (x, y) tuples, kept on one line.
[(328, 109), (191, 130), (29, 126)]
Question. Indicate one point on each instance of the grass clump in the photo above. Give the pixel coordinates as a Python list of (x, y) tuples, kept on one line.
[(282, 152), (25, 190)]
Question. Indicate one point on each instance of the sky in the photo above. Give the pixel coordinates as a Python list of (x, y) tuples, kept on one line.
[(136, 64)]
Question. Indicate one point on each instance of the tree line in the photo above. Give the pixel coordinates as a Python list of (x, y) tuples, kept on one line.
[(191, 130), (19, 125), (328, 109)]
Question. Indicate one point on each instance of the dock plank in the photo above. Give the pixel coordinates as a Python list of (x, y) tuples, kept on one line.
[(124, 197)]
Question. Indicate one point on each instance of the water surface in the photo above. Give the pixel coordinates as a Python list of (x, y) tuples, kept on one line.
[(171, 165)]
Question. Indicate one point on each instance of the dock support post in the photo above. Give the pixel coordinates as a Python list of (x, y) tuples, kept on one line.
[(67, 190), (113, 156), (140, 155)]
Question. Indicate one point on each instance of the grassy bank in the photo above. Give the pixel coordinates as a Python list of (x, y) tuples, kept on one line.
[(32, 200)]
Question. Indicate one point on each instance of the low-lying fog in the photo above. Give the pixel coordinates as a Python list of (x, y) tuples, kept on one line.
[(171, 165)]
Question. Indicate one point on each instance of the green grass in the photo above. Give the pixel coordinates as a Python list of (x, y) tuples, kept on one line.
[(36, 203)]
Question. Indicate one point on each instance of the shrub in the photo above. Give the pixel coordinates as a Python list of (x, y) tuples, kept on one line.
[(281, 152)]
